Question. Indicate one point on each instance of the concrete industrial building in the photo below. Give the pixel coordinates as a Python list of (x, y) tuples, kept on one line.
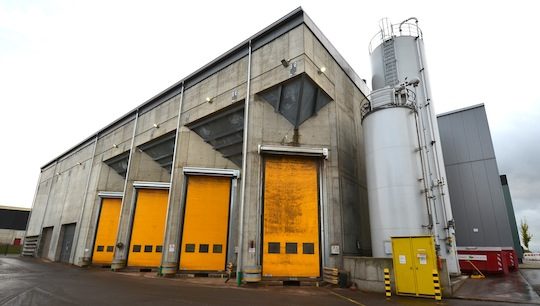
[(258, 159), (480, 199), (13, 224), (255, 158)]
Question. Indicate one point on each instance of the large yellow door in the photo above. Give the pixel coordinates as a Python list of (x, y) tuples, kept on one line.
[(291, 217), (146, 243), (106, 231), (206, 219)]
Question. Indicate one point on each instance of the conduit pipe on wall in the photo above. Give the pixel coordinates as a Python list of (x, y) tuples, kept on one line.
[(79, 220), (178, 124), (244, 176)]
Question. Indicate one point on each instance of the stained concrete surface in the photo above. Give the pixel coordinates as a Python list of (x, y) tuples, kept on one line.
[(533, 277), (512, 287), (28, 281)]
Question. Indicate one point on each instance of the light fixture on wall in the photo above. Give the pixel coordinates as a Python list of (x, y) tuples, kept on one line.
[(321, 70), (156, 125), (285, 62), (209, 99), (115, 146)]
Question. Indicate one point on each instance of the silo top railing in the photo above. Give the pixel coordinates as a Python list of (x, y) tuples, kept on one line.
[(406, 28)]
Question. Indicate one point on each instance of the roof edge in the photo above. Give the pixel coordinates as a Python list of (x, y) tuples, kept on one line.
[(14, 208), (459, 110), (285, 23)]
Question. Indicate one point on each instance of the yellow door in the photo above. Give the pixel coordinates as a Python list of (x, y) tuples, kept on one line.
[(425, 262), (206, 219), (414, 261), (404, 271), (291, 217), (146, 243), (106, 231)]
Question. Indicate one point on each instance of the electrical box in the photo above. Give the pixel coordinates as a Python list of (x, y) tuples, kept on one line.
[(414, 260)]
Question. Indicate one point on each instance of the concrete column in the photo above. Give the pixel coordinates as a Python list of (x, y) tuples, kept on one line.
[(171, 244), (128, 205)]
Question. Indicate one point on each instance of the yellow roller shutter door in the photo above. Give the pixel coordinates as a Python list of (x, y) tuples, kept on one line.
[(106, 231), (206, 218), (291, 217), (146, 243)]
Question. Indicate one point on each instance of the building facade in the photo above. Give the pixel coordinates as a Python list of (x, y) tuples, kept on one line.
[(255, 159), (478, 202)]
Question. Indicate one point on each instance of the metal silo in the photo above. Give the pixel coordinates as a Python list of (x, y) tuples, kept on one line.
[(407, 188)]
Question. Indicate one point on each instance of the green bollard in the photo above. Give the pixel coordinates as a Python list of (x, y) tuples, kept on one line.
[(239, 276)]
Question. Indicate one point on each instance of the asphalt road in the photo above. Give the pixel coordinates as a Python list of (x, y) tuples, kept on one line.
[(29, 281)]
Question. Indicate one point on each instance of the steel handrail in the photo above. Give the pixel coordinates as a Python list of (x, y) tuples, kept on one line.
[(399, 29)]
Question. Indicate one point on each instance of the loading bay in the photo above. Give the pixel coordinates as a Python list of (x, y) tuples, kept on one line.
[(30, 281)]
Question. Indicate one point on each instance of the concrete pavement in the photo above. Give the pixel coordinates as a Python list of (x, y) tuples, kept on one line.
[(29, 281)]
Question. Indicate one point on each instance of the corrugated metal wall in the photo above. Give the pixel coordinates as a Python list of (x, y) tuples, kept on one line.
[(475, 189)]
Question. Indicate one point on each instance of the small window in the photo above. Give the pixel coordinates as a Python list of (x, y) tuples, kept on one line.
[(100, 248), (291, 248), (203, 248), (190, 248), (148, 248), (217, 248), (308, 248), (159, 248), (136, 248), (110, 249), (273, 247)]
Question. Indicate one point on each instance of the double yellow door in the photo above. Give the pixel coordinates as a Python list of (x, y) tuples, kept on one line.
[(414, 261)]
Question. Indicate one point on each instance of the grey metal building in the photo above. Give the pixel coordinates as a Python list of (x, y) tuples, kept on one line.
[(13, 222), (255, 159), (511, 216), (476, 193)]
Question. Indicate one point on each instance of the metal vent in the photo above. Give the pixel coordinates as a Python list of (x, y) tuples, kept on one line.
[(224, 131), (161, 149), (297, 99), (119, 163)]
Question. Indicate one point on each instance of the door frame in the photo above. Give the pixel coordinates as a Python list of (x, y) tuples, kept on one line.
[(105, 195), (234, 175), (320, 153), (143, 185), (60, 244)]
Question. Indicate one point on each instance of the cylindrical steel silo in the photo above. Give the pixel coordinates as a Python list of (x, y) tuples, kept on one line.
[(407, 188)]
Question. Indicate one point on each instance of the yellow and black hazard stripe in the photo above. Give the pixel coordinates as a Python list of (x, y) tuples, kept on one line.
[(437, 285), (387, 287)]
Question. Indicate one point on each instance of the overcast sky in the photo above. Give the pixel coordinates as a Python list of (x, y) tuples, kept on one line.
[(68, 68)]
